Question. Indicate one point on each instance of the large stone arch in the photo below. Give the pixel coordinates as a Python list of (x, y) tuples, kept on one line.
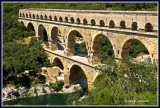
[(95, 56), (58, 62), (77, 76), (70, 51), (30, 27), (42, 33), (126, 46), (53, 38)]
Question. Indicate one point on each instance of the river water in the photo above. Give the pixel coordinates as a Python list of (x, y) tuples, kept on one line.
[(49, 99)]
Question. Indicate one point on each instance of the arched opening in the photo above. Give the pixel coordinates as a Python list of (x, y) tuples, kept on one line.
[(20, 15), (101, 23), (41, 17), (134, 26), (77, 76), (122, 24), (93, 23), (23, 15), (22, 23), (60, 19), (55, 18), (102, 49), (37, 16), (111, 24), (33, 16), (134, 48), (148, 27), (66, 19), (50, 18), (72, 20), (42, 33), (45, 17), (30, 15), (78, 21), (55, 40), (85, 22), (57, 62), (30, 27), (76, 44), (26, 15)]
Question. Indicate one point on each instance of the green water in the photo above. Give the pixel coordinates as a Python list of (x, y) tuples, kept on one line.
[(50, 99)]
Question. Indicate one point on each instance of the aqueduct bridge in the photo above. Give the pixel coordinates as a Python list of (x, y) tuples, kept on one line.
[(120, 27)]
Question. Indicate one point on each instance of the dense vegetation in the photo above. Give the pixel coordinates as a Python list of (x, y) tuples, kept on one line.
[(111, 89), (119, 86)]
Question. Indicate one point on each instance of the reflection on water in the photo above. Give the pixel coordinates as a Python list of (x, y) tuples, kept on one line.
[(50, 99)]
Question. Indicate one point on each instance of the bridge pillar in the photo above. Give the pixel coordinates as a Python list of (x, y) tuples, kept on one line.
[(94, 57), (68, 52), (53, 45)]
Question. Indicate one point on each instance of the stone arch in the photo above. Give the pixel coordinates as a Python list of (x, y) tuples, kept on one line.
[(37, 16), (66, 19), (58, 62), (45, 17), (101, 23), (20, 14), (23, 15), (96, 52), (148, 27), (22, 22), (55, 18), (85, 22), (60, 19), (26, 15), (111, 24), (33, 16), (122, 24), (30, 16), (78, 76), (72, 20), (78, 21), (54, 33), (126, 47), (70, 42), (41, 17), (93, 23), (42, 33), (30, 27), (50, 18), (134, 26)]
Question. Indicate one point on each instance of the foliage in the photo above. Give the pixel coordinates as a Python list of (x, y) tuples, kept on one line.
[(115, 88), (81, 47), (57, 86)]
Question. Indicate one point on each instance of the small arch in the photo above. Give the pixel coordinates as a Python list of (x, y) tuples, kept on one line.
[(37, 16), (78, 21), (58, 62), (72, 20), (55, 18), (50, 18), (85, 22), (33, 16), (45, 17), (23, 15), (30, 15), (93, 23), (20, 15), (122, 24), (148, 27), (134, 26), (41, 17), (26, 15), (101, 23), (66, 19), (111, 24), (60, 19), (77, 76)]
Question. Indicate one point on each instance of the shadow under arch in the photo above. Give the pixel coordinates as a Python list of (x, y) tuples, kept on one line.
[(58, 62), (97, 44), (77, 76), (127, 46), (30, 27), (42, 33), (71, 41)]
